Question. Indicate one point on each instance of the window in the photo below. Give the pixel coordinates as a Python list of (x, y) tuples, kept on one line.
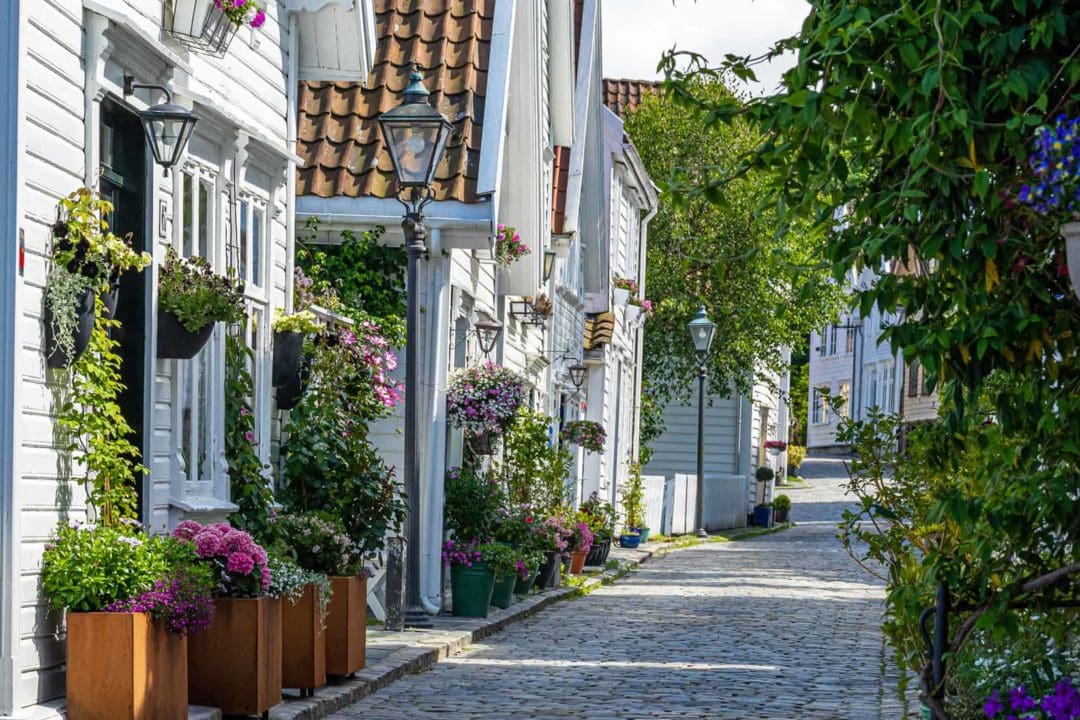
[(818, 407), (849, 341), (888, 379), (913, 379), (845, 393), (832, 340), (248, 258), (872, 387), (821, 344)]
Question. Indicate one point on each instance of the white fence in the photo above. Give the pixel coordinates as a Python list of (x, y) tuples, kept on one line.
[(673, 512)]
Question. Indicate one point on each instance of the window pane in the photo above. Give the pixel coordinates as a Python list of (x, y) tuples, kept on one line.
[(188, 200), (244, 241), (256, 247), (205, 193)]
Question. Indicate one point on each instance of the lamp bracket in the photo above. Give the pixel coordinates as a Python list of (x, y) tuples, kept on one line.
[(415, 199), (130, 86)]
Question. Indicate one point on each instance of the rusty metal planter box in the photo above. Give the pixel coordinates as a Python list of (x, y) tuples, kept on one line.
[(346, 625)]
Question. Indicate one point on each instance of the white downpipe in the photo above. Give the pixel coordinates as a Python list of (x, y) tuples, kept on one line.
[(290, 177), (432, 531), (639, 349)]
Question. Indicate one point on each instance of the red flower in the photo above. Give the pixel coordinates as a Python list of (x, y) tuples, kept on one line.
[(528, 519)]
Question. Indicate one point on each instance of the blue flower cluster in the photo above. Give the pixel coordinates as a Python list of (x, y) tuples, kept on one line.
[(1056, 164), (1062, 704)]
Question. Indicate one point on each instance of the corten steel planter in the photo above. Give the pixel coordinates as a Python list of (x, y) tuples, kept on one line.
[(288, 356), (346, 625), (57, 357), (176, 342), (577, 561), (235, 664), (124, 666), (303, 661), (503, 594)]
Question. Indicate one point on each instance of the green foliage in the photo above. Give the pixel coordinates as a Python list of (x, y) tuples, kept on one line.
[(97, 430), (190, 290), (472, 505), (764, 474), (781, 503), (795, 456), (600, 516), (248, 476), (503, 559), (367, 276), (632, 495), (799, 398), (84, 244), (319, 543), (64, 293), (535, 471), (726, 254), (303, 321), (87, 568)]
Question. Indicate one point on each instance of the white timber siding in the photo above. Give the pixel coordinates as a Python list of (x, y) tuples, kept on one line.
[(241, 99)]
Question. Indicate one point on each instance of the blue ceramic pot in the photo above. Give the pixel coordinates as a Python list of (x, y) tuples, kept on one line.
[(629, 541)]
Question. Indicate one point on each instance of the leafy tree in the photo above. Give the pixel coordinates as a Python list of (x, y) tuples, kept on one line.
[(917, 119), (722, 250)]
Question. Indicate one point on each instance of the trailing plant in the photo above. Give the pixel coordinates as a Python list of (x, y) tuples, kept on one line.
[(238, 563), (319, 543), (184, 601), (249, 478), (473, 501), (302, 321), (83, 243), (632, 495), (535, 471), (587, 434), (191, 290), (289, 580), (483, 399), (509, 247), (97, 430), (64, 292)]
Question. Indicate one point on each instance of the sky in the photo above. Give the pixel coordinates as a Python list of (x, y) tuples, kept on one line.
[(636, 32)]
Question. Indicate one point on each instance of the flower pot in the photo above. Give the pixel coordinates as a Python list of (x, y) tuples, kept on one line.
[(633, 313), (763, 516), (549, 571), (125, 666), (577, 561), (288, 356), (482, 444), (781, 516), (303, 658), (472, 588), (111, 299), (1071, 231), (644, 532), (292, 390), (503, 594), (621, 296), (176, 342), (525, 584), (630, 541), (201, 26), (235, 664), (57, 357), (346, 625), (598, 552)]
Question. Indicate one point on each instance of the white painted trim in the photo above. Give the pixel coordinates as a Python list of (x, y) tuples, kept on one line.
[(147, 41), (590, 26), (11, 87), (489, 176), (561, 71)]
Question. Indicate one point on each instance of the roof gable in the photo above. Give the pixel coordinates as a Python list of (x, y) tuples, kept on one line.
[(623, 96)]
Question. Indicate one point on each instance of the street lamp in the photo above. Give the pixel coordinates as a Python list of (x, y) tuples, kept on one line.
[(577, 374), (488, 332), (167, 125), (415, 134), (702, 330)]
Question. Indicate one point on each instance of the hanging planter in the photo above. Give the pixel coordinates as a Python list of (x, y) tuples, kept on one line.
[(67, 339), (191, 299), (288, 356), (208, 26), (176, 342), (292, 390)]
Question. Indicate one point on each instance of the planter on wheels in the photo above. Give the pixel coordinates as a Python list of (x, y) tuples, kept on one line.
[(472, 588), (503, 594), (763, 516), (57, 357), (346, 625), (288, 356), (235, 664), (303, 657), (176, 342), (125, 666), (577, 561), (549, 571)]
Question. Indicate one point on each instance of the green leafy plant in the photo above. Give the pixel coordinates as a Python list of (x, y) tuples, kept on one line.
[(248, 476), (535, 471), (319, 543), (764, 474), (64, 293), (503, 559), (83, 244), (303, 321), (189, 289), (473, 501), (600, 515), (632, 496), (781, 503), (289, 580), (795, 456)]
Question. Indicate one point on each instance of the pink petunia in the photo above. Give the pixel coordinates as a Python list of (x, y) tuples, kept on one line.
[(259, 19)]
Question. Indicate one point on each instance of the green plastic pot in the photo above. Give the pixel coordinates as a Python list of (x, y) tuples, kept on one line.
[(472, 588), (503, 596)]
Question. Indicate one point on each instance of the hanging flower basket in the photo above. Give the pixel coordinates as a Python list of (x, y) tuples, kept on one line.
[(509, 247), (288, 356), (208, 26), (587, 434), (63, 354), (176, 342), (483, 399), (775, 446)]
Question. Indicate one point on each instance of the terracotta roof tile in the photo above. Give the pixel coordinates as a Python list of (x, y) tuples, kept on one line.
[(338, 135), (623, 96), (599, 328)]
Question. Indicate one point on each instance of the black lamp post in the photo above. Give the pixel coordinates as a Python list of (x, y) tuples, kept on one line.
[(488, 331), (415, 134), (167, 126), (702, 330)]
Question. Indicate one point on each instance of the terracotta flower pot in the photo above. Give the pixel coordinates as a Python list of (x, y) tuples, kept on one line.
[(125, 666), (346, 625), (303, 658), (235, 664), (577, 561)]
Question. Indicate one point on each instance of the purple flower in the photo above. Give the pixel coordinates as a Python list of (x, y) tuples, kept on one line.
[(993, 705), (207, 543), (241, 563), (250, 437), (187, 530)]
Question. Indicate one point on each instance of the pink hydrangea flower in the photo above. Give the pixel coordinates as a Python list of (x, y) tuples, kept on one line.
[(240, 562), (187, 530), (207, 544)]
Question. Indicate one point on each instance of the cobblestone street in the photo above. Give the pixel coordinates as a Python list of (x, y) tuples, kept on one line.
[(779, 626)]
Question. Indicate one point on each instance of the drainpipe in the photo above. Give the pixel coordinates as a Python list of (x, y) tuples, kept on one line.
[(432, 532), (292, 79), (639, 350)]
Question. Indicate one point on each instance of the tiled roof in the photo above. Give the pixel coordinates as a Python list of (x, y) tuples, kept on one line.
[(339, 137), (598, 330), (623, 96)]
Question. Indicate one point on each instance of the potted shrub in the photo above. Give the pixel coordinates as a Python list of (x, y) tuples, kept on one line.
[(235, 664), (306, 596), (321, 544), (581, 542), (507, 563), (191, 298), (289, 334), (517, 527), (509, 247), (586, 434), (473, 503), (633, 500), (130, 600), (601, 519), (482, 401), (781, 508), (795, 456), (763, 515), (472, 581), (624, 288)]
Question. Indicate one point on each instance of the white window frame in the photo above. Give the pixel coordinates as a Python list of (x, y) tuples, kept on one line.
[(818, 407), (845, 392)]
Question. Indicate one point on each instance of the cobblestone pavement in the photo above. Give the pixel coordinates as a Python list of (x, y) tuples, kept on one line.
[(780, 626)]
